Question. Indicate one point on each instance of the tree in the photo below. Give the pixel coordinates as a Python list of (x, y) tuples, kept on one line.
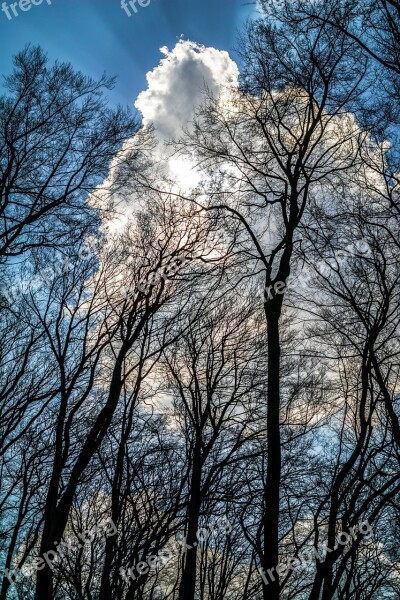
[(274, 147), (214, 376), (57, 138)]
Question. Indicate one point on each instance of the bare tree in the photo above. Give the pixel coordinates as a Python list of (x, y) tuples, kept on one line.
[(56, 142), (273, 144)]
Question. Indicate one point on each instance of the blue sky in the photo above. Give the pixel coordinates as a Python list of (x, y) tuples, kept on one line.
[(97, 35)]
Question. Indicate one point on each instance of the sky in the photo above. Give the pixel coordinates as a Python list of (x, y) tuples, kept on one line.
[(98, 36)]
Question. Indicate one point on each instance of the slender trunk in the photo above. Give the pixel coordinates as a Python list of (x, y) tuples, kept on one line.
[(323, 588), (272, 484), (44, 579), (57, 516), (187, 588), (109, 553), (14, 538)]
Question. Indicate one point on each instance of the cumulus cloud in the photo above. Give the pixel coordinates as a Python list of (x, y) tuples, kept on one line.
[(176, 85), (175, 90)]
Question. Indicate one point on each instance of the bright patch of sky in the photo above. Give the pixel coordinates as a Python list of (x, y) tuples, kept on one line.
[(98, 35)]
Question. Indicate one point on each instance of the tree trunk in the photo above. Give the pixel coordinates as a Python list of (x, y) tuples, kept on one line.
[(272, 485), (187, 587), (56, 518)]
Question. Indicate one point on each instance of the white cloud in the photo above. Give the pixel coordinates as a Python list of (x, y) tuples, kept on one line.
[(175, 90), (176, 85)]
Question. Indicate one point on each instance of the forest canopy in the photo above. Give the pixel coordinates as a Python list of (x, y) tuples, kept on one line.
[(199, 332)]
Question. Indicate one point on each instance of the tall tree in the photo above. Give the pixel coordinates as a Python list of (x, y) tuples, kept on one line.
[(274, 146)]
